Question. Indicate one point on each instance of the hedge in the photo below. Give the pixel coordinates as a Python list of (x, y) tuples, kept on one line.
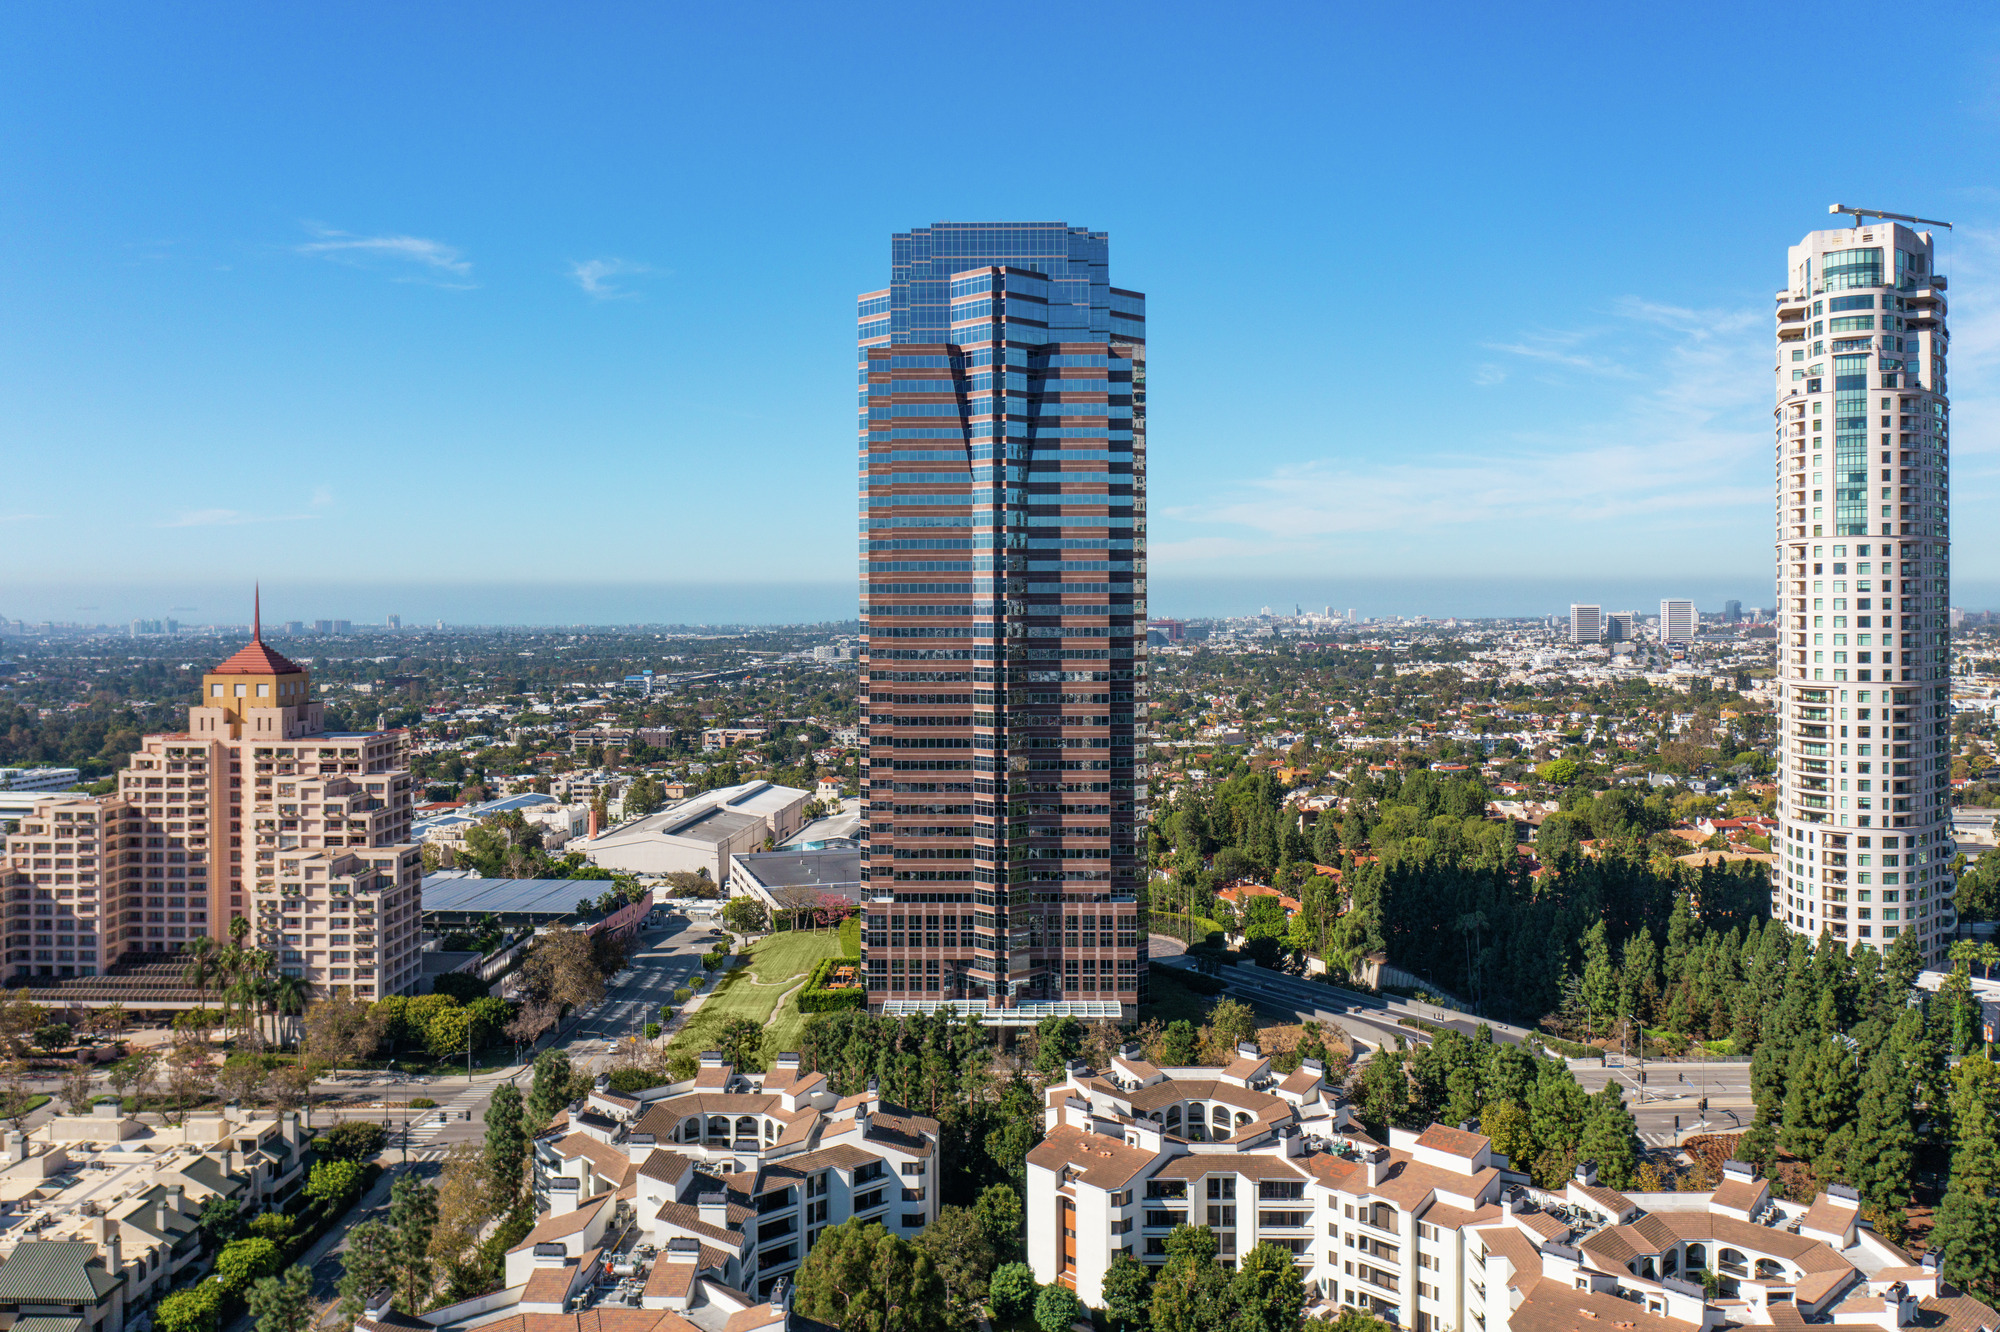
[(816, 998)]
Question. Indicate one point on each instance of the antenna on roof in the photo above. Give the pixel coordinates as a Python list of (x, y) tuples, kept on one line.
[(1858, 213), (257, 613)]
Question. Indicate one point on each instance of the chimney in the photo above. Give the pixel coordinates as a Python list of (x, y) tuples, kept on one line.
[(714, 1209), (593, 822), (174, 1197), (1376, 1163), (1248, 1050), (17, 1146), (239, 1164), (104, 1231), (551, 1255), (586, 1178), (562, 1194), (683, 1250), (376, 1307), (1586, 1173), (781, 1294)]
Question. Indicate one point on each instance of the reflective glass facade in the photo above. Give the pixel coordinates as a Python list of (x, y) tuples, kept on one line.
[(1002, 479), (1863, 570)]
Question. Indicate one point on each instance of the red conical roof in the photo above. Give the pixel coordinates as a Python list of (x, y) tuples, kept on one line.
[(253, 658)]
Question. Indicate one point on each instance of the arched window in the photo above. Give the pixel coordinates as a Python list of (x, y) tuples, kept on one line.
[(718, 1127), (1670, 1262), (1770, 1269), (1646, 1270), (1173, 1119), (746, 1126), (1697, 1257), (690, 1130)]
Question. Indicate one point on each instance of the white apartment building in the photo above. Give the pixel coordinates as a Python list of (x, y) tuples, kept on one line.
[(744, 1170), (38, 779), (1435, 1230), (1863, 566), (1586, 623), (1677, 621)]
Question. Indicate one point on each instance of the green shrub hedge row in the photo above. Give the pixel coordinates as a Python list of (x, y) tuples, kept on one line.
[(816, 998)]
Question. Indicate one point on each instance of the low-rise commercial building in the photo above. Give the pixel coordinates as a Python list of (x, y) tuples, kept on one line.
[(703, 832)]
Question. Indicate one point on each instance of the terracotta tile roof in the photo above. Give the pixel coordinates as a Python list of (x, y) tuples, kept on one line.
[(551, 1285), (684, 1217), (670, 1280), (665, 1115), (604, 1318), (1546, 1226), (552, 1228), (1951, 1310), (1163, 1094), (1244, 1068), (607, 1162), (1816, 1286), (1550, 1306), (841, 1154), (1255, 1165), (1104, 1163), (904, 1132), (1829, 1214), (1742, 1195), (253, 658), (1609, 1199), (1300, 1082), (1453, 1142)]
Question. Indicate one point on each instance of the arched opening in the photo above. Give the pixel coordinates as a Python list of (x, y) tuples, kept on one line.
[(1646, 1270), (1770, 1269), (746, 1127), (718, 1128), (1732, 1262), (1670, 1262), (1242, 1118), (1173, 1119), (1697, 1257), (1218, 1119), (690, 1130)]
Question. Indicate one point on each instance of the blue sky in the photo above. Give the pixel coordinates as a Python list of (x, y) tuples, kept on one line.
[(415, 298)]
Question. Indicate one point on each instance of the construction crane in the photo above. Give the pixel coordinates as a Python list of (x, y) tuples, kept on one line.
[(1858, 213)]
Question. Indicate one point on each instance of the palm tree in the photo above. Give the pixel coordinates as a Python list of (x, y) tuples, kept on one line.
[(199, 968), (290, 994)]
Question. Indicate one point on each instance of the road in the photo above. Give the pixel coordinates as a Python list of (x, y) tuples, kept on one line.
[(1373, 1020), (665, 960), (1672, 1093)]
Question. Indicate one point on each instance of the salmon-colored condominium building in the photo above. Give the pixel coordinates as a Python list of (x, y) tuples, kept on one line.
[(254, 811)]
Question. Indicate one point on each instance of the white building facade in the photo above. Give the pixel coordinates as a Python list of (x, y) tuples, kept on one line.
[(1676, 620), (1863, 567), (1586, 623)]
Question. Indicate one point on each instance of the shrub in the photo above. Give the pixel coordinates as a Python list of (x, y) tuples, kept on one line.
[(246, 1261), (626, 1081), (1057, 1307), (423, 1103), (683, 994), (192, 1310), (817, 998), (271, 1226), (334, 1184), (353, 1140), (1011, 1290), (652, 1030)]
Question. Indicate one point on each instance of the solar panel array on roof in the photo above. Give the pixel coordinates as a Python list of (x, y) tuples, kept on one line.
[(555, 897)]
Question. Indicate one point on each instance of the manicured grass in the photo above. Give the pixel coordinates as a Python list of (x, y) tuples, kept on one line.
[(778, 962)]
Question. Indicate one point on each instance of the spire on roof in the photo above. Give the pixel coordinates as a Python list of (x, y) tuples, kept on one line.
[(257, 613)]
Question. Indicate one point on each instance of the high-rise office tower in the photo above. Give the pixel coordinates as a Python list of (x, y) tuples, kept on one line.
[(1618, 626), (1003, 607), (1676, 621), (1732, 612), (1586, 623), (1862, 576)]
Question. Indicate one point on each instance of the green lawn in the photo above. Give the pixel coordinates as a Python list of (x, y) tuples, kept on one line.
[(772, 966)]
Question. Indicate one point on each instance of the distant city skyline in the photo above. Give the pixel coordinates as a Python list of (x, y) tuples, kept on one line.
[(511, 346)]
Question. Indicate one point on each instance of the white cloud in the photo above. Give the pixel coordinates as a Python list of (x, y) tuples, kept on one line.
[(1681, 452), (436, 262), (597, 277)]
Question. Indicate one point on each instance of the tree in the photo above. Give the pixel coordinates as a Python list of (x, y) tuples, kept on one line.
[(448, 1032), (745, 915), (1126, 1295), (240, 1080), (132, 1076), (342, 1031), (192, 1310), (1270, 1295), (353, 1140), (467, 1199), (860, 1278), (549, 1092), (1610, 1138), (1011, 1290), (1057, 1040), (1233, 1023), (561, 968), (1002, 1218), (1192, 1293), (963, 1254), (1381, 1092), (369, 1265), (506, 1145), (245, 1261), (740, 1040), (76, 1077), (334, 1183), (282, 1303), (190, 1076), (219, 1221), (1057, 1307), (413, 1216)]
